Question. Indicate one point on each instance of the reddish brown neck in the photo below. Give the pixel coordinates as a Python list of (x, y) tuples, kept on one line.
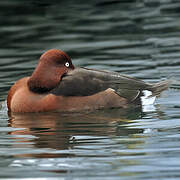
[(45, 78)]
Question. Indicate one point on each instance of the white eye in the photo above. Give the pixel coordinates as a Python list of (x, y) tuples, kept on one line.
[(67, 64)]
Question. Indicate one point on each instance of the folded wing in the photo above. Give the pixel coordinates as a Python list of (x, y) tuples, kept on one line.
[(86, 82)]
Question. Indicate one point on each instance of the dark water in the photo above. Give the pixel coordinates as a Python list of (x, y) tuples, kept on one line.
[(136, 37)]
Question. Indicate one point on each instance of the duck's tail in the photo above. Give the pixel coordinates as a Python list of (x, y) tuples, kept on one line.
[(154, 90), (159, 87)]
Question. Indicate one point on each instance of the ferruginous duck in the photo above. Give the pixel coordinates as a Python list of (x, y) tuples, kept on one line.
[(56, 85)]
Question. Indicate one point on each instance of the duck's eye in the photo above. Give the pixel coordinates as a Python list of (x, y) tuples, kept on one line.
[(67, 64)]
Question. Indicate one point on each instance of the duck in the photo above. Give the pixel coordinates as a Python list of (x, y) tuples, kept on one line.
[(57, 85)]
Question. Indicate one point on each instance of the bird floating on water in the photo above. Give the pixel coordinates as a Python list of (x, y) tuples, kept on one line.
[(57, 85)]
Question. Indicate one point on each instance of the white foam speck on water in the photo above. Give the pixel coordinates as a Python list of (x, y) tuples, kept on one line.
[(149, 131)]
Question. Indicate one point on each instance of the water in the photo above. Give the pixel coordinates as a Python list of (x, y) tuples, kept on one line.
[(135, 37)]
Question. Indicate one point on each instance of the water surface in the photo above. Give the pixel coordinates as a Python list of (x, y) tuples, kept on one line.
[(138, 38)]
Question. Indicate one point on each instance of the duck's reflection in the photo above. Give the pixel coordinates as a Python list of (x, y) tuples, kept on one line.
[(61, 132)]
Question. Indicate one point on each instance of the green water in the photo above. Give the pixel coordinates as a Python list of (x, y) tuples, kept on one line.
[(135, 37)]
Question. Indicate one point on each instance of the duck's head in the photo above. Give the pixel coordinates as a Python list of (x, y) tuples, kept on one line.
[(52, 66)]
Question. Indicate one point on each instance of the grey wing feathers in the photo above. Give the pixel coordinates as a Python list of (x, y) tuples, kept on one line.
[(80, 82), (85, 82)]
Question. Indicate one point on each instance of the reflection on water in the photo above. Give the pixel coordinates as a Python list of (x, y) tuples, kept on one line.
[(52, 138), (60, 132), (139, 38)]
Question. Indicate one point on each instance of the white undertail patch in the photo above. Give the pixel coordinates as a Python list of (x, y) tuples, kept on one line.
[(147, 99)]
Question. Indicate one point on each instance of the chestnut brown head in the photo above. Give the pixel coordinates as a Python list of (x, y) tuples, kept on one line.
[(52, 66)]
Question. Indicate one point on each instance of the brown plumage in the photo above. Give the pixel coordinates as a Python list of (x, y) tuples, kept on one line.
[(56, 85)]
